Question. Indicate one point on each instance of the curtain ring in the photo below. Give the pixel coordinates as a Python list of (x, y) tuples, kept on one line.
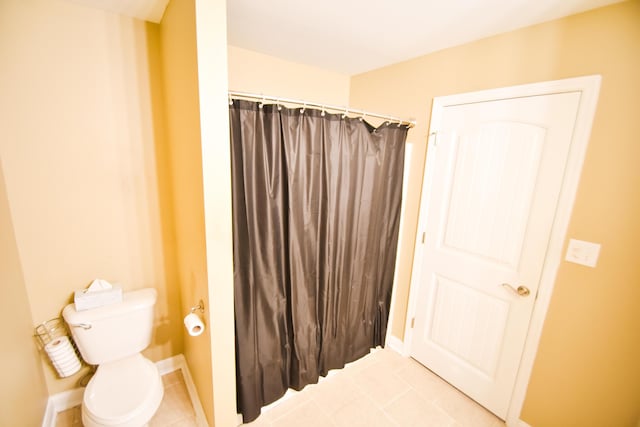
[(230, 100), (346, 111), (262, 102), (278, 104), (361, 118), (304, 107), (323, 112)]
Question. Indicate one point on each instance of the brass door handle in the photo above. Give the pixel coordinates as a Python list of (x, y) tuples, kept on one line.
[(521, 290)]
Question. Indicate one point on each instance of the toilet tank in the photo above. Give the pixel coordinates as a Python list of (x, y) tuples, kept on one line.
[(114, 331)]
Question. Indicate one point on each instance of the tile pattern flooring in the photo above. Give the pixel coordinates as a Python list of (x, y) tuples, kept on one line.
[(175, 410), (379, 390)]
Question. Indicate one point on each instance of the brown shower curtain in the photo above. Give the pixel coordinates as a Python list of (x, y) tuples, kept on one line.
[(316, 210)]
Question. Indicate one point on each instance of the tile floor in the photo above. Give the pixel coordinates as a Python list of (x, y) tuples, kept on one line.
[(381, 389), (175, 410)]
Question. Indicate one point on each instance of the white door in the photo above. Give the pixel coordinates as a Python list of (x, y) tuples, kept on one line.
[(491, 196)]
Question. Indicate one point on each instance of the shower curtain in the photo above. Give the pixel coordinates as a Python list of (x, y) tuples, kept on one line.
[(316, 210)]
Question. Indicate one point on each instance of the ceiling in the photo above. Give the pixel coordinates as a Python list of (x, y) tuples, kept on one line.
[(354, 36), (146, 10)]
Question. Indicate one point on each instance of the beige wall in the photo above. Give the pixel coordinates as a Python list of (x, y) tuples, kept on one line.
[(211, 34), (193, 42), (586, 372), (263, 74), (180, 78), (79, 156), (24, 394)]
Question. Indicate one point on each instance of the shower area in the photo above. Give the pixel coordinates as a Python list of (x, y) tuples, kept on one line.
[(316, 210)]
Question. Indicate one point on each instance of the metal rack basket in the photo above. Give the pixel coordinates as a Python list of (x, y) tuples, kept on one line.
[(54, 339)]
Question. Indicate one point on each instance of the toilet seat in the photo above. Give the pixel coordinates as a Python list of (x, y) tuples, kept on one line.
[(124, 393)]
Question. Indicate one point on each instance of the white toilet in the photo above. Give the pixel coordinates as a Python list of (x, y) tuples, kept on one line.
[(126, 389)]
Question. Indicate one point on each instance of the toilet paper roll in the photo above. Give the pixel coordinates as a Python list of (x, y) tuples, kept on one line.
[(63, 357), (194, 324), (68, 369)]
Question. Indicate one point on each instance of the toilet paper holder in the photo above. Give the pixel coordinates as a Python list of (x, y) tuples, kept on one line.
[(55, 342), (199, 307), (48, 331)]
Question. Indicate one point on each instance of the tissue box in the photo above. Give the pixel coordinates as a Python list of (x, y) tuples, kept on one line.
[(87, 299)]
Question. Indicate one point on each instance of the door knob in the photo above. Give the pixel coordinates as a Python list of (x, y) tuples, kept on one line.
[(521, 290)]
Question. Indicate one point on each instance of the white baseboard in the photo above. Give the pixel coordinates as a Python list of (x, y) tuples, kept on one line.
[(68, 399), (520, 423), (61, 402), (395, 344), (201, 419), (50, 414), (171, 364)]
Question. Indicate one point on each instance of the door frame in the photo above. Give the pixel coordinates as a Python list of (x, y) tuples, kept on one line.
[(589, 86)]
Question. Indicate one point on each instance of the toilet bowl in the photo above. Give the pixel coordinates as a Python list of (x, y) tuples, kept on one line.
[(126, 389), (125, 393)]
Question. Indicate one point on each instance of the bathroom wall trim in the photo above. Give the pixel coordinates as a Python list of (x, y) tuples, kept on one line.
[(395, 344), (179, 362), (61, 402), (49, 417), (68, 399)]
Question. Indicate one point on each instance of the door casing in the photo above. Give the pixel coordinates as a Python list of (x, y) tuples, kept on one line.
[(589, 86)]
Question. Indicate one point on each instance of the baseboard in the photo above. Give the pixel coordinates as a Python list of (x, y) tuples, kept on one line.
[(201, 418), (61, 402), (521, 423), (50, 414), (171, 364), (395, 344), (68, 399)]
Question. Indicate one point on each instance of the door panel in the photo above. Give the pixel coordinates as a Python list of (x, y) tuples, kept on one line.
[(498, 172), (494, 173), (468, 324)]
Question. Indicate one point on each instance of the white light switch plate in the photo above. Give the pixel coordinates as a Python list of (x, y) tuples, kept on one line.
[(581, 252)]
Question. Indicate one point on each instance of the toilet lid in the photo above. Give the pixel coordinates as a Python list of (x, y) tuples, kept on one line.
[(121, 390)]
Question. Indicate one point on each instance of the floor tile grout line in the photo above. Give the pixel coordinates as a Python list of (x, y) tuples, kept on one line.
[(287, 411), (394, 368), (392, 401), (389, 417)]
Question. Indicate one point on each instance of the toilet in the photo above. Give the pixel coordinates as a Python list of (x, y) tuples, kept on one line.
[(126, 389)]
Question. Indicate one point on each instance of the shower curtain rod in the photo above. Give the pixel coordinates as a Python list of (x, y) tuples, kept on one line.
[(344, 110)]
